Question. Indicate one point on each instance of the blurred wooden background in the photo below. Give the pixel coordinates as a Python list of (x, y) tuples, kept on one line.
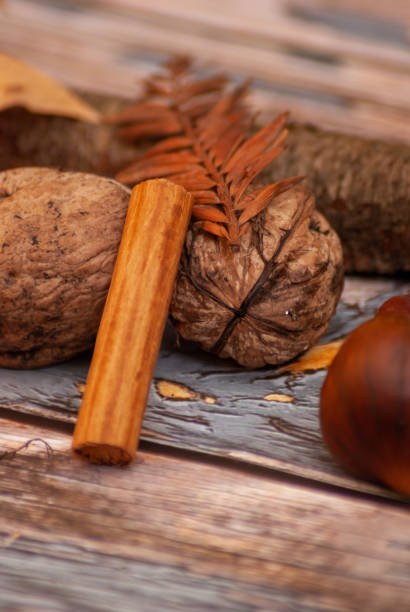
[(343, 66)]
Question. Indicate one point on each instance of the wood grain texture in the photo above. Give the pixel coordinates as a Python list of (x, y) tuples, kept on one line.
[(193, 535), (225, 412), (132, 323), (337, 67)]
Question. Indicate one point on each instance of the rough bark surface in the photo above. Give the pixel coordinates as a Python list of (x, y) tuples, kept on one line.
[(269, 298), (363, 189), (28, 139), (59, 237)]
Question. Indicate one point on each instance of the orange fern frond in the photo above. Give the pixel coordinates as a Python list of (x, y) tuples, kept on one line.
[(205, 146)]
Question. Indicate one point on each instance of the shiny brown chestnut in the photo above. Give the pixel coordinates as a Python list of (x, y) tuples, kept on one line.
[(365, 399)]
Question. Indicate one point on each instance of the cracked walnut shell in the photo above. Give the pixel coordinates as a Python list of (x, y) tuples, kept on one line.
[(269, 298)]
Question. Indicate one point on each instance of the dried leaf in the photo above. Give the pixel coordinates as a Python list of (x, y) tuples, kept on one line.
[(214, 228), (257, 144), (197, 107), (243, 228), (197, 181), (265, 194), (151, 129), (204, 86), (253, 170), (233, 137), (205, 148), (209, 213), (211, 132), (138, 112), (155, 88), (153, 171), (22, 85), (206, 196), (169, 144), (177, 65), (251, 210), (228, 102), (316, 358)]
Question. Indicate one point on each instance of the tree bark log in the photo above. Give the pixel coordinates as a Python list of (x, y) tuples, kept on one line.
[(363, 189)]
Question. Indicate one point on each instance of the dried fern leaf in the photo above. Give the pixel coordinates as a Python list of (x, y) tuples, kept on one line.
[(214, 228), (259, 142), (169, 144), (209, 213), (203, 127), (150, 130), (204, 196), (198, 107), (137, 112), (197, 182), (153, 171), (214, 83), (265, 194), (256, 202), (252, 170)]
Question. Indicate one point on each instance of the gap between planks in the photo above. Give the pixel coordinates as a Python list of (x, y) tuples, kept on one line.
[(37, 437)]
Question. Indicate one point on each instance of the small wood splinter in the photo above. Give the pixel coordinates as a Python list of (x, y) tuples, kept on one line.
[(132, 324)]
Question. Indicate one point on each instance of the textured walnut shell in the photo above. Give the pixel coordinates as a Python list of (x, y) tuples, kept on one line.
[(59, 237), (268, 299)]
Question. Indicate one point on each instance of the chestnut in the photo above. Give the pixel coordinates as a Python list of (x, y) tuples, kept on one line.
[(365, 399)]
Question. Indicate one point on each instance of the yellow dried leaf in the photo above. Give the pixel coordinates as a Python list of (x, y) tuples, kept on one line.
[(22, 85), (316, 358)]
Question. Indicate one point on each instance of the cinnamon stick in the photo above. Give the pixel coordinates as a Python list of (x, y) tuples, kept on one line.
[(132, 324)]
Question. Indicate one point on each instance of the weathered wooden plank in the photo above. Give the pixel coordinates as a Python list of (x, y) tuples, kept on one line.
[(188, 535), (319, 73), (396, 10), (267, 417), (275, 24)]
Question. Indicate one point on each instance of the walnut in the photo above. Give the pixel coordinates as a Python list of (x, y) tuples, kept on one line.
[(60, 233), (269, 298)]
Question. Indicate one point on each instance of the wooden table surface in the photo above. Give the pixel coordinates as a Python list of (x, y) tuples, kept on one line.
[(234, 502)]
